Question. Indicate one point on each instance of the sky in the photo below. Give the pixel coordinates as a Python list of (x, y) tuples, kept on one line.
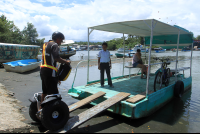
[(73, 17)]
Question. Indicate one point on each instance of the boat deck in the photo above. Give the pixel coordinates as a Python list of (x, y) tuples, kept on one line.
[(136, 105), (135, 85)]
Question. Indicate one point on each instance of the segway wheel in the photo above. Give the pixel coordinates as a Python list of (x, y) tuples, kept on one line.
[(55, 115), (33, 110)]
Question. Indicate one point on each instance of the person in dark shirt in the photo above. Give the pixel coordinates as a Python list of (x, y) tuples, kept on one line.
[(48, 69)]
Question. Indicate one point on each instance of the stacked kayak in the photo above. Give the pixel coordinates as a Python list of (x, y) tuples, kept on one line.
[(21, 66)]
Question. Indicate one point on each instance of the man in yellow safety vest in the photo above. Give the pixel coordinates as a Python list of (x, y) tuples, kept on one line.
[(48, 70)]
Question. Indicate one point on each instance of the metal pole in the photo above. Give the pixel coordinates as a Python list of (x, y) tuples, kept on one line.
[(177, 54), (88, 56), (149, 67), (123, 55), (145, 52), (191, 61)]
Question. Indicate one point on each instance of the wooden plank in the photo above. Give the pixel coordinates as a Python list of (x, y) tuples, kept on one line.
[(88, 114), (85, 101), (138, 97)]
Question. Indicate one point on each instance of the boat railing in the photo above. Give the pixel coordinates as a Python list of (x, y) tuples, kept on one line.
[(169, 62), (80, 63), (176, 70)]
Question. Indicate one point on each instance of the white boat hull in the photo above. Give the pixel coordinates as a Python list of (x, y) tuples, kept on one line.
[(21, 69)]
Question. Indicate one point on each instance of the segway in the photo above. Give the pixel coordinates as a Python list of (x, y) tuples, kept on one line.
[(54, 113)]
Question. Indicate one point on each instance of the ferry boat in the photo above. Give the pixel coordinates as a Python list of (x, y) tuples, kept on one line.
[(142, 100)]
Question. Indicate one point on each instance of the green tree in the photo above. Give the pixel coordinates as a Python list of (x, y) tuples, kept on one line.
[(40, 42), (29, 35), (9, 33), (198, 37)]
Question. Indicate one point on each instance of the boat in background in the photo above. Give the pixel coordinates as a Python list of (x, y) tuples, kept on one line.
[(143, 50), (121, 50), (118, 55), (173, 50), (186, 49), (66, 52), (13, 52), (21, 66), (159, 50)]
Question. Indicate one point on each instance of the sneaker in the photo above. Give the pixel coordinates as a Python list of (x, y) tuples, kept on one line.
[(112, 86), (102, 85)]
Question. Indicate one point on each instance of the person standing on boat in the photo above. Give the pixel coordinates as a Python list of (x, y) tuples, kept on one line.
[(48, 70), (137, 62), (104, 63)]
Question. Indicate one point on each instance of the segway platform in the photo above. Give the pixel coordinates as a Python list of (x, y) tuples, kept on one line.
[(88, 114)]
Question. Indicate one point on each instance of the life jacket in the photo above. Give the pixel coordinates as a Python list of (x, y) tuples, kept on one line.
[(44, 58)]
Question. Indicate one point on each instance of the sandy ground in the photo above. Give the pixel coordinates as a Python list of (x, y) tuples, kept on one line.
[(14, 116), (11, 118)]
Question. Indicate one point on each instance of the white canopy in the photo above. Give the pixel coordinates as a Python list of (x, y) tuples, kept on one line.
[(140, 28), (67, 42)]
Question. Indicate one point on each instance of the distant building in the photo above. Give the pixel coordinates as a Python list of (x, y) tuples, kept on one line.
[(196, 43)]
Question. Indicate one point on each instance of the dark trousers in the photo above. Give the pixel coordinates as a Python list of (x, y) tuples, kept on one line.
[(49, 85), (103, 67)]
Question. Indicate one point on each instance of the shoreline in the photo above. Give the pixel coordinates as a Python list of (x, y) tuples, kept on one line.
[(10, 82), (95, 63), (11, 117)]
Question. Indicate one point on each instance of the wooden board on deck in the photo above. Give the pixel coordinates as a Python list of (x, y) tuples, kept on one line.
[(88, 114), (85, 101), (138, 97)]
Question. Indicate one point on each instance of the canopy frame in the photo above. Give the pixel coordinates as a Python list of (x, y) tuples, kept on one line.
[(151, 27)]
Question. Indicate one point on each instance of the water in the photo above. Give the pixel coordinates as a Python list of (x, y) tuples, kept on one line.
[(179, 115)]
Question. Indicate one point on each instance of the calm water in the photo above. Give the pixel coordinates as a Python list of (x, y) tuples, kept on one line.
[(182, 115)]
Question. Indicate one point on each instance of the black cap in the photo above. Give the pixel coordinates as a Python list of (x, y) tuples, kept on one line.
[(57, 35)]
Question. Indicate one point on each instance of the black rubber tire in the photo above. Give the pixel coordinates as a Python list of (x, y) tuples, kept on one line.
[(158, 76), (168, 77), (32, 111), (47, 115), (179, 89)]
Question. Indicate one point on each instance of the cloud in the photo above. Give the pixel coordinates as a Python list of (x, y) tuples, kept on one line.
[(42, 25), (51, 1), (74, 20)]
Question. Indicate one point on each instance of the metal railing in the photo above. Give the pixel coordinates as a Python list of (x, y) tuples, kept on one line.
[(87, 72)]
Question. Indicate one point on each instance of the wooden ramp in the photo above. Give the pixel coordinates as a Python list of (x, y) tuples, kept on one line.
[(88, 114), (138, 97), (85, 101)]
